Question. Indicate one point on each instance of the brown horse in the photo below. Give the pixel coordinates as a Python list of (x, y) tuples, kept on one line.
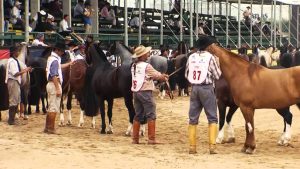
[(254, 86)]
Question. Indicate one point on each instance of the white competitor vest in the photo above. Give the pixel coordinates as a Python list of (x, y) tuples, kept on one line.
[(198, 67), (52, 58), (139, 76)]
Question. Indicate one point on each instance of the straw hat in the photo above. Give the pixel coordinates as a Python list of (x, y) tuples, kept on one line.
[(140, 51)]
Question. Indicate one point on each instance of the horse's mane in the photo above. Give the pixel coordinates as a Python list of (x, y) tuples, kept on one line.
[(97, 54)]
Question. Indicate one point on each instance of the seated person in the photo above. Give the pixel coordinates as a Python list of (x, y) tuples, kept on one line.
[(64, 28), (39, 40), (50, 24), (108, 13), (16, 19)]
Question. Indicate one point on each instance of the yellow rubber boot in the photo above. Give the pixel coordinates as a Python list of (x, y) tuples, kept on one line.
[(212, 134), (192, 139)]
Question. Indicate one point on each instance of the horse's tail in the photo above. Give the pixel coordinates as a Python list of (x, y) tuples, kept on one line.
[(91, 103), (262, 61)]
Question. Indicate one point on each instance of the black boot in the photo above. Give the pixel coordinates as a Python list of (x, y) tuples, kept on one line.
[(11, 115)]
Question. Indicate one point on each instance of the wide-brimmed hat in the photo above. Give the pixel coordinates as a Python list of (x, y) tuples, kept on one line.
[(68, 38), (60, 46), (204, 41), (140, 51)]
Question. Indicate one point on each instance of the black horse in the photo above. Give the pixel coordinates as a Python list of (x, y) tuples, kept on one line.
[(106, 82), (37, 59), (225, 99), (3, 90)]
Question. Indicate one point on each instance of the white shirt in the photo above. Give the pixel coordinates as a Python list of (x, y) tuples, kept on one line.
[(63, 26), (36, 42), (11, 70), (16, 12)]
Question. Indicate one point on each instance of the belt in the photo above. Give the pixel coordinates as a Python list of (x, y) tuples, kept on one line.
[(202, 84)]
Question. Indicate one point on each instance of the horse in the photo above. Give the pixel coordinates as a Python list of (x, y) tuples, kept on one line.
[(37, 58), (4, 104), (254, 86), (74, 77), (106, 82), (270, 55), (182, 82), (225, 99)]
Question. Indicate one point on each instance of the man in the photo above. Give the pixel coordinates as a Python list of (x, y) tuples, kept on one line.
[(41, 20), (13, 80), (16, 15), (79, 9), (64, 28), (39, 40), (247, 13), (142, 87), (54, 90), (201, 71)]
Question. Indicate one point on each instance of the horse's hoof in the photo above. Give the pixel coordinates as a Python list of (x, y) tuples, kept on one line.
[(127, 134), (69, 123), (243, 150), (231, 140), (102, 132), (250, 151), (109, 132), (61, 124), (80, 125)]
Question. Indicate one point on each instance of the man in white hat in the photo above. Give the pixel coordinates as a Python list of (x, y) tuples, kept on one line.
[(16, 15), (143, 75)]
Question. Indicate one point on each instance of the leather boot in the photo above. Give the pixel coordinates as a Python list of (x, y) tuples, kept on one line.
[(51, 126), (212, 134), (135, 132), (151, 133), (11, 115), (192, 138), (47, 123)]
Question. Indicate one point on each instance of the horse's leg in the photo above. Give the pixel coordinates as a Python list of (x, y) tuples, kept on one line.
[(287, 120), (0, 116), (43, 97), (102, 112), (230, 130), (69, 107), (37, 107), (131, 112), (61, 114), (222, 113), (250, 144), (110, 102)]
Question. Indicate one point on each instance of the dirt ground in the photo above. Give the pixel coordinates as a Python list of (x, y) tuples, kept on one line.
[(25, 146)]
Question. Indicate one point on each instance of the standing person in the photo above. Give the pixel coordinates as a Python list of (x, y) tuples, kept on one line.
[(247, 15), (13, 80), (143, 75), (87, 20), (201, 71), (54, 90)]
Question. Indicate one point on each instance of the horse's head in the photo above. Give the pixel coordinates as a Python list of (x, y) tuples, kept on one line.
[(182, 48), (96, 54), (122, 51)]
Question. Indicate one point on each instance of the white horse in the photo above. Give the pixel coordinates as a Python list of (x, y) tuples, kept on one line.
[(271, 55)]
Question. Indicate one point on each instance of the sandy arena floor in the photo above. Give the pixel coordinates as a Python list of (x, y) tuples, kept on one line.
[(25, 146)]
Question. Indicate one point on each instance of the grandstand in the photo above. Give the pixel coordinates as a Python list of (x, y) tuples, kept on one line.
[(230, 30)]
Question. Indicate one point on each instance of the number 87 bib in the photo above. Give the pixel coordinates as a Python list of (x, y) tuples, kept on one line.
[(198, 67)]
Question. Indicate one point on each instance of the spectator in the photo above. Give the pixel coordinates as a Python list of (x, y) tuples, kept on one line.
[(201, 29), (40, 20), (39, 40), (16, 19), (247, 16), (135, 22), (171, 23), (87, 17), (64, 28), (266, 29), (55, 8), (50, 24), (79, 9), (176, 6), (108, 13)]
